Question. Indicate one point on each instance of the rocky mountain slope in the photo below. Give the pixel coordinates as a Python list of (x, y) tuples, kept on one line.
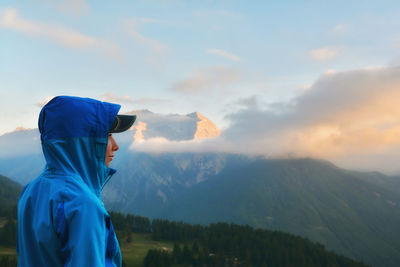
[(173, 127)]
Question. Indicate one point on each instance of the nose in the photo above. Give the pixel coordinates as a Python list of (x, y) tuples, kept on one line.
[(114, 144), (115, 147)]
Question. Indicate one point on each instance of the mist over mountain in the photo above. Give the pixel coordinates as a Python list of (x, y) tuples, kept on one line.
[(20, 142), (21, 157)]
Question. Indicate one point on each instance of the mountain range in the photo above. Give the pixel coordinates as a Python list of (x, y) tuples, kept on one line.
[(354, 213), (253, 246)]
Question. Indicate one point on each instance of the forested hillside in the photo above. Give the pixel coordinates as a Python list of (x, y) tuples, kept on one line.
[(346, 211), (223, 244), (9, 194)]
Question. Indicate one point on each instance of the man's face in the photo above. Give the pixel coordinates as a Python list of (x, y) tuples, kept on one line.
[(111, 148)]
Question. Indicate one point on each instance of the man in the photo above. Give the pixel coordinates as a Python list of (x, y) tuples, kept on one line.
[(61, 218)]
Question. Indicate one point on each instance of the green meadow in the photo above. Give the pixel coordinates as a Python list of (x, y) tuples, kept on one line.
[(133, 252)]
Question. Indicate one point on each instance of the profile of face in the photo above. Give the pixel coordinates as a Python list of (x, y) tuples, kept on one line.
[(111, 148)]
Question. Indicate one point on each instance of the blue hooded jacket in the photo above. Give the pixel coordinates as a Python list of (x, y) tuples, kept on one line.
[(61, 218)]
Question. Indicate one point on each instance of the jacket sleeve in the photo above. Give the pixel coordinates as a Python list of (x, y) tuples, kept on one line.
[(85, 232)]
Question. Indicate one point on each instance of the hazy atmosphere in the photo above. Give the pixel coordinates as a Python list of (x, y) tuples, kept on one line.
[(314, 79)]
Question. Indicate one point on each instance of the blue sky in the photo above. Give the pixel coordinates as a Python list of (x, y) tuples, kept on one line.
[(214, 57), (142, 48)]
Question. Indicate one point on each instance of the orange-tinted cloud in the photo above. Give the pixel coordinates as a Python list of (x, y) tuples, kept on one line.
[(206, 80), (342, 115)]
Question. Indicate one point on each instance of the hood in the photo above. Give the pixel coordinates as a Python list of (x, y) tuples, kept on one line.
[(74, 134)]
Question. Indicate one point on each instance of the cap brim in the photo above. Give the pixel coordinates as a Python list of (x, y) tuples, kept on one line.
[(122, 123)]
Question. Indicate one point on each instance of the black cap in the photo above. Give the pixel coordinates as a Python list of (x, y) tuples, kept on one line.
[(122, 123)]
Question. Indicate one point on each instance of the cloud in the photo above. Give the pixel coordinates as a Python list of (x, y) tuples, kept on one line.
[(223, 53), (150, 101), (207, 13), (305, 86), (344, 115), (340, 28), (57, 33), (162, 145), (142, 20), (43, 102), (330, 71), (157, 48), (323, 54), (207, 80), (75, 8), (108, 97)]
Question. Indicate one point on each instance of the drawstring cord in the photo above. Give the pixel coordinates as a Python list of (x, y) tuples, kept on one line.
[(110, 172), (106, 181)]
